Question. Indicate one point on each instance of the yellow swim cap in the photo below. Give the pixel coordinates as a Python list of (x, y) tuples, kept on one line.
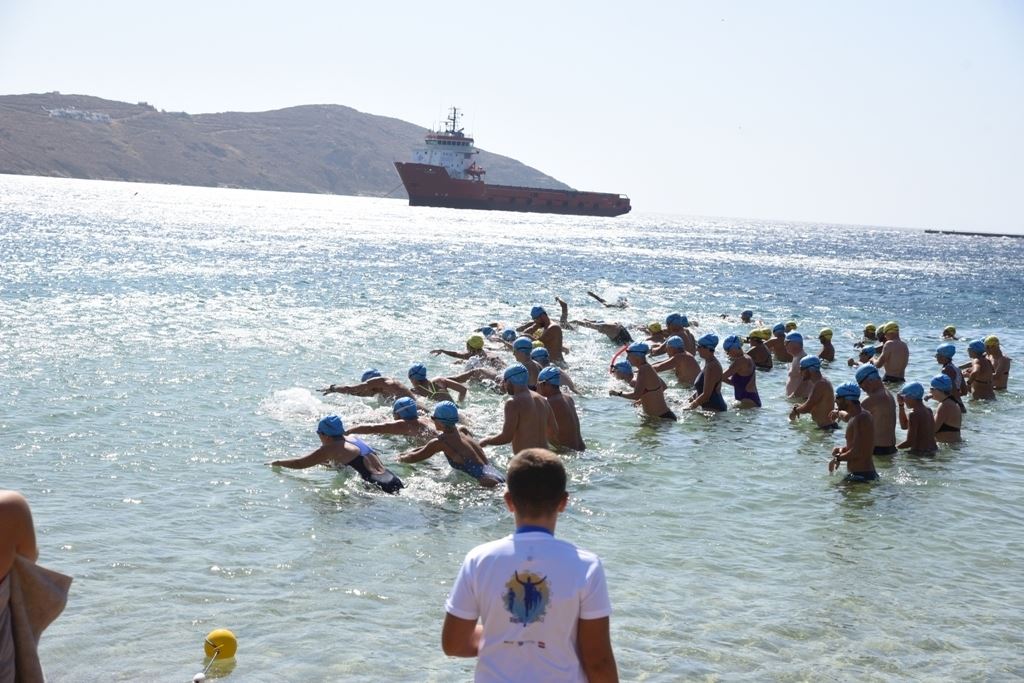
[(538, 333), (992, 341), (870, 328), (538, 344), (790, 326), (475, 342), (826, 333), (762, 333), (949, 330), (654, 327), (891, 326)]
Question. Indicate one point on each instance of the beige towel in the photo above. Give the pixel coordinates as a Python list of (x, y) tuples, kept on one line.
[(38, 596)]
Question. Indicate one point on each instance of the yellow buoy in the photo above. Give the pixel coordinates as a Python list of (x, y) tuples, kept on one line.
[(220, 642)]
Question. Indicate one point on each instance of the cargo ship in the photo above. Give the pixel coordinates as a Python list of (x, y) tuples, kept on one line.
[(444, 173)]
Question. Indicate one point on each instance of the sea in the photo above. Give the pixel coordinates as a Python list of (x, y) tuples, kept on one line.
[(159, 345)]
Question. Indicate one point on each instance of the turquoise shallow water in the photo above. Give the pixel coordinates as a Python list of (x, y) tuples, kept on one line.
[(159, 344)]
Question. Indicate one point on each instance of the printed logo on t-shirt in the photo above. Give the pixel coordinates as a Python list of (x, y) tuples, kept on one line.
[(526, 597)]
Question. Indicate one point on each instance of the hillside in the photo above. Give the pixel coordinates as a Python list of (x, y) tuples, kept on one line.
[(328, 149)]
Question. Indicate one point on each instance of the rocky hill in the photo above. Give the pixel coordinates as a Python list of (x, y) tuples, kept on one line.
[(315, 148)]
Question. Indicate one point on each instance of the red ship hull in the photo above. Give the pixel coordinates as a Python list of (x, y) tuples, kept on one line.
[(429, 185)]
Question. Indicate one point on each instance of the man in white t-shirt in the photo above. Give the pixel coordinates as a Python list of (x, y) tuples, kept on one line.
[(542, 602)]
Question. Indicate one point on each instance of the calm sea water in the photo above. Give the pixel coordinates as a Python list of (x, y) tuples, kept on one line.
[(159, 344)]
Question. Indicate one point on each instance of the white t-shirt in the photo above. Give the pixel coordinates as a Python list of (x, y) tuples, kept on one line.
[(529, 590)]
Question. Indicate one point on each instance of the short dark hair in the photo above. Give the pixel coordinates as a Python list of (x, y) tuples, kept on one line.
[(536, 481)]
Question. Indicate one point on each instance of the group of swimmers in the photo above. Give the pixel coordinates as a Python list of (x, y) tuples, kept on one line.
[(538, 413)]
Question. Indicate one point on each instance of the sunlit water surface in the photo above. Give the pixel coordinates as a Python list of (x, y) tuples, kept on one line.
[(158, 345)]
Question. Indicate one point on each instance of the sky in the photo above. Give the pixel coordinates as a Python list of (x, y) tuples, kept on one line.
[(883, 113)]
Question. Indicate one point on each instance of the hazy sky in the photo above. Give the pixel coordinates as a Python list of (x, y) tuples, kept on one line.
[(880, 113)]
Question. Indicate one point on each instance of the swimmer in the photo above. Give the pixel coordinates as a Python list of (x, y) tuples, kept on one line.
[(759, 353), (796, 385), (980, 373), (708, 386), (541, 357), (656, 334), (895, 354), (867, 353), (563, 408), (621, 303), (821, 399), (947, 413), (461, 451), (551, 336), (680, 361), (869, 336), (944, 356), (860, 464), (828, 352), (435, 389), (882, 406), (528, 417), (747, 316), (740, 373), (949, 333), (407, 422), (920, 423), (337, 450), (624, 371), (522, 347), (1000, 363), (615, 332), (474, 354), (777, 344), (372, 384), (677, 325), (790, 326), (649, 389)]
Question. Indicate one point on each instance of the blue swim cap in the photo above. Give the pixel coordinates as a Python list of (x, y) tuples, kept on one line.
[(675, 342), (978, 346), (517, 374), (638, 348), (943, 383), (370, 374), (810, 363), (446, 412), (537, 311), (674, 319), (747, 313), (732, 342), (946, 350), (624, 367), (866, 372), (331, 426), (708, 341), (418, 371), (405, 408), (508, 335), (794, 337), (869, 350), (913, 390), (781, 327), (540, 353), (848, 390), (486, 331), (522, 344), (551, 374)]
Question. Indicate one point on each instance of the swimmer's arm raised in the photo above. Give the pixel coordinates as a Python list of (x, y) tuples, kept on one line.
[(317, 457), (457, 387), (380, 428), (464, 355), (420, 454), (904, 421)]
